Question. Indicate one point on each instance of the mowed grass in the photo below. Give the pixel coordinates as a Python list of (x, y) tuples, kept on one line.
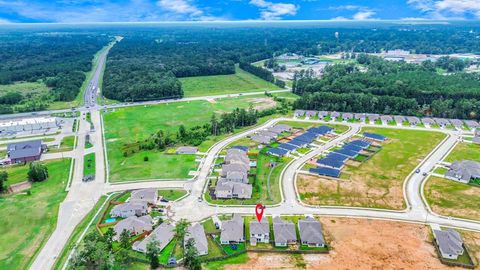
[(28, 220), (464, 151), (450, 198), (171, 194), (377, 182), (240, 82), (89, 164), (19, 173), (128, 125)]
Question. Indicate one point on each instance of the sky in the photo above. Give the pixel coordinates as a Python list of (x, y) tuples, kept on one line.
[(88, 11)]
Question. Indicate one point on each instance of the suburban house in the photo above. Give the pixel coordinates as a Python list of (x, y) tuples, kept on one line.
[(386, 118), (197, 233), (163, 234), (310, 114), (372, 117), (129, 209), (449, 242), (334, 115), (187, 150), (399, 119), (428, 121), (280, 128), (360, 117), (311, 232), (227, 190), (284, 232), (238, 167), (463, 171), (261, 139), (374, 136), (237, 176), (259, 231), (413, 120), (322, 114), (471, 124), (232, 231), (299, 113), (148, 195), (347, 116), (457, 123), (235, 156), (134, 225), (25, 151), (278, 152)]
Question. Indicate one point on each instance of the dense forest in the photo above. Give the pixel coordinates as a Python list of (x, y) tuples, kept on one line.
[(392, 88), (135, 65), (58, 60)]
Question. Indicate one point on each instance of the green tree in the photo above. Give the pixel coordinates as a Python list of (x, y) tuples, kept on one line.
[(125, 239), (37, 172), (180, 230), (3, 179), (153, 251), (108, 237), (191, 259), (122, 258)]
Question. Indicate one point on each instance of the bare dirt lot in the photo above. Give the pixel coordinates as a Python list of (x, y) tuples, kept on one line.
[(364, 244)]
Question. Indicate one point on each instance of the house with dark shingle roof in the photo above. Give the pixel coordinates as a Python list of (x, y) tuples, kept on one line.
[(449, 243), (311, 232), (232, 231), (197, 233), (259, 231), (284, 232), (463, 171), (129, 209), (164, 233), (413, 120), (25, 151), (133, 225), (146, 195)]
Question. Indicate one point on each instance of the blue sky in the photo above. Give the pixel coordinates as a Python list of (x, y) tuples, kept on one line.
[(75, 11)]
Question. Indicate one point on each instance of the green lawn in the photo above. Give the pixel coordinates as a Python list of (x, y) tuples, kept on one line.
[(377, 182), (24, 88), (172, 194), (219, 265), (464, 151), (89, 164), (67, 144), (18, 173), (28, 220), (137, 123), (339, 128), (239, 82), (287, 95)]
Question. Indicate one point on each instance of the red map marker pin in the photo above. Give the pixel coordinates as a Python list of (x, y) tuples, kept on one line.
[(259, 211)]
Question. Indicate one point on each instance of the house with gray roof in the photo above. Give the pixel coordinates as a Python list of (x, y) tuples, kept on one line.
[(186, 150), (235, 167), (25, 151), (299, 113), (237, 176), (129, 209), (146, 195), (261, 139), (334, 115), (360, 117), (311, 232), (372, 117), (267, 133), (347, 116), (476, 140), (197, 233), (235, 156), (449, 243), (457, 123), (259, 231), (471, 124), (310, 114), (232, 231), (463, 171), (399, 119), (279, 128), (322, 114), (164, 233), (442, 122), (284, 232), (227, 190), (428, 121), (413, 120), (133, 225), (386, 118)]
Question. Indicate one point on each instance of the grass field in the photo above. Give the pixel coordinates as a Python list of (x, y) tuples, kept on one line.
[(172, 194), (89, 164), (447, 197), (18, 173), (67, 144), (464, 151), (28, 220), (377, 182), (240, 82), (137, 123), (25, 88)]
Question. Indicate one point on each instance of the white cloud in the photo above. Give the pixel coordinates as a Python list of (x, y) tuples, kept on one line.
[(364, 15), (4, 21), (180, 7), (274, 11), (447, 9)]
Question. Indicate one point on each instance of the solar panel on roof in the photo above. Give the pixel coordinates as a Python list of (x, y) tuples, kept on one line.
[(325, 171), (277, 151), (337, 156), (352, 147), (346, 152), (330, 162), (305, 138), (287, 146), (374, 136), (297, 143), (363, 144)]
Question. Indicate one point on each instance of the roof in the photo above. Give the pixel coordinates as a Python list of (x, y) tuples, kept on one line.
[(399, 118), (133, 224), (449, 241), (464, 170), (241, 190), (326, 171), (310, 113), (456, 122), (261, 139), (24, 149), (334, 114), (347, 115), (280, 128), (361, 143), (386, 118), (241, 147), (262, 227), (413, 119), (353, 147), (427, 120), (237, 156), (287, 146), (322, 114), (296, 142), (346, 152), (299, 113), (471, 123), (187, 149), (129, 206), (148, 195), (374, 136), (311, 231), (320, 130), (373, 116), (337, 156), (277, 151), (330, 162), (197, 233), (163, 234), (359, 116), (237, 176), (267, 134), (232, 230), (235, 167), (284, 231)]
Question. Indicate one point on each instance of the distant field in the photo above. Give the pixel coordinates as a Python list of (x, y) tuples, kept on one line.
[(378, 182), (239, 82), (136, 123), (28, 220), (450, 198), (24, 87)]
